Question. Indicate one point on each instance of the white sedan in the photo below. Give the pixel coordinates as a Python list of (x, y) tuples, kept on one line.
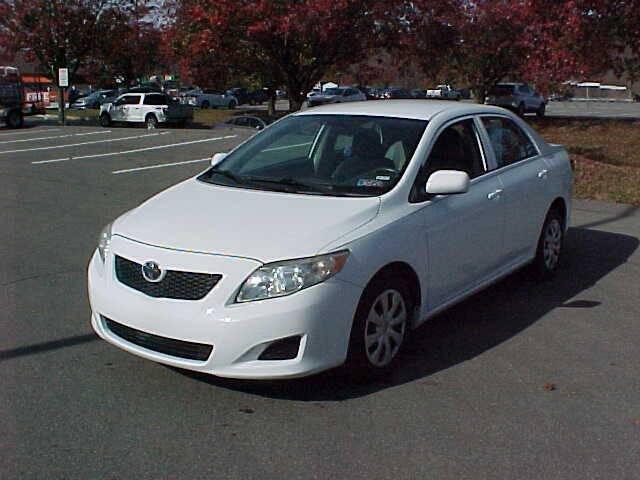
[(328, 236)]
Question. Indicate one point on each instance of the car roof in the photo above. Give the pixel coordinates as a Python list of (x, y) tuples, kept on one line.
[(416, 109)]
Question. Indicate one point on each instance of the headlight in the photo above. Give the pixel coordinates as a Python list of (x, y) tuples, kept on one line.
[(104, 241), (284, 278)]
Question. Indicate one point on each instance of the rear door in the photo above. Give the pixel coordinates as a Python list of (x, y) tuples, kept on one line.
[(154, 103), (523, 172)]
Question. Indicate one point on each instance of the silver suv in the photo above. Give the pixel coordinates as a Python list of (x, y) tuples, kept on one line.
[(519, 97)]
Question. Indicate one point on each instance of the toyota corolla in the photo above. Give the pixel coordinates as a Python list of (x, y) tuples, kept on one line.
[(330, 235)]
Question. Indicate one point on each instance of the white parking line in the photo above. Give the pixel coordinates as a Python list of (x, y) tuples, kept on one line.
[(161, 165), (56, 136), (83, 143), (42, 130), (157, 147)]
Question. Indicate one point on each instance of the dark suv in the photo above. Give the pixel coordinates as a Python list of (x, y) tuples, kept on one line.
[(519, 97)]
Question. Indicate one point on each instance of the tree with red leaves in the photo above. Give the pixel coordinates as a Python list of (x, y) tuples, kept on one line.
[(292, 43), (129, 44), (58, 33), (541, 41)]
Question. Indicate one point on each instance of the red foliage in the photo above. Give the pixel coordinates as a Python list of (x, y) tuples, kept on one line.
[(290, 43)]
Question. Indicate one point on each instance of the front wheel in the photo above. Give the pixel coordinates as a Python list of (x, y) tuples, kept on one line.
[(549, 250), (521, 110), (232, 104), (380, 326), (541, 110), (105, 120)]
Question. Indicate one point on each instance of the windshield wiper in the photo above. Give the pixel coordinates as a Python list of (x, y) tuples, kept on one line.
[(292, 182), (227, 174)]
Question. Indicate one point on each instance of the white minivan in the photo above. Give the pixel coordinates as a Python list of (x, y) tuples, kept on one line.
[(328, 236)]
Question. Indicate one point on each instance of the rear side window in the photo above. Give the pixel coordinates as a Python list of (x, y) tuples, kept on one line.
[(510, 144), (155, 100)]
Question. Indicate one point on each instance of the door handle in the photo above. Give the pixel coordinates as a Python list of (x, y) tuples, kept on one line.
[(543, 173), (495, 194)]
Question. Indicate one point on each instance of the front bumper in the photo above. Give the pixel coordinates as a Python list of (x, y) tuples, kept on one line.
[(321, 315)]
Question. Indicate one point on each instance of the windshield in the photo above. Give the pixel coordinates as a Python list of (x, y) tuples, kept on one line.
[(333, 91), (338, 155)]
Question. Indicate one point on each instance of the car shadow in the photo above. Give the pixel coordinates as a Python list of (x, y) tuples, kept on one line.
[(468, 329)]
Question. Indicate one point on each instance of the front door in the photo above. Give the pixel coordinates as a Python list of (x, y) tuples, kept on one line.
[(463, 232)]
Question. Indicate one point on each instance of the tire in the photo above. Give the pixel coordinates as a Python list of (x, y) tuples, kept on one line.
[(14, 119), (151, 122), (232, 104), (549, 249), (373, 346), (521, 110), (541, 110), (205, 105), (105, 120)]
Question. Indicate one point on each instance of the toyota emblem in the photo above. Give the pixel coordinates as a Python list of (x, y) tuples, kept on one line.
[(152, 272)]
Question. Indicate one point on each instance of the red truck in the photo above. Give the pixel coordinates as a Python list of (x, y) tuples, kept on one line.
[(11, 97)]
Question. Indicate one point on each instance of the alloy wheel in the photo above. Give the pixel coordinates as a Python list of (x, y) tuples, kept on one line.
[(385, 328), (552, 243)]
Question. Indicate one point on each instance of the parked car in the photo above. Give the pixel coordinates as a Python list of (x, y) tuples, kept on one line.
[(11, 97), (518, 97), (395, 93), (336, 95), (418, 93), (443, 92), (209, 98), (112, 97), (94, 100), (326, 237), (250, 121), (171, 88), (259, 96), (152, 109)]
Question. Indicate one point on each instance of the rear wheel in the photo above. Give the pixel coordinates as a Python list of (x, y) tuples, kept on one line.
[(205, 105), (521, 110), (151, 122), (541, 110), (380, 326), (548, 252), (232, 104), (105, 120), (14, 119)]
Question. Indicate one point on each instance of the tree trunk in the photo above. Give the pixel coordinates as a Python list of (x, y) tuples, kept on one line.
[(272, 102), (294, 103)]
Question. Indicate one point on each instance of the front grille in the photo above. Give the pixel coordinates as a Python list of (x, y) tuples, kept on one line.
[(177, 285), (168, 346)]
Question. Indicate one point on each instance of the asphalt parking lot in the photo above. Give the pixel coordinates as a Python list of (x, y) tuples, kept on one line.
[(522, 381)]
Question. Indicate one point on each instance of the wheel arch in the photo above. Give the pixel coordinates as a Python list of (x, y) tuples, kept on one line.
[(560, 205), (408, 274)]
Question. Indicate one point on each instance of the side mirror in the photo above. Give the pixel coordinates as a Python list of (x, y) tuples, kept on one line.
[(447, 182), (217, 158)]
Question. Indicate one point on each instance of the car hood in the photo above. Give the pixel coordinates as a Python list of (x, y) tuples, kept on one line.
[(262, 225)]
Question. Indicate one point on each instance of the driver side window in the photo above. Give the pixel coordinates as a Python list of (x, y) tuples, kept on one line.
[(456, 148)]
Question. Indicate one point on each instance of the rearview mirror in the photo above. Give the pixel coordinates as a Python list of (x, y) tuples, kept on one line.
[(447, 182), (217, 158)]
